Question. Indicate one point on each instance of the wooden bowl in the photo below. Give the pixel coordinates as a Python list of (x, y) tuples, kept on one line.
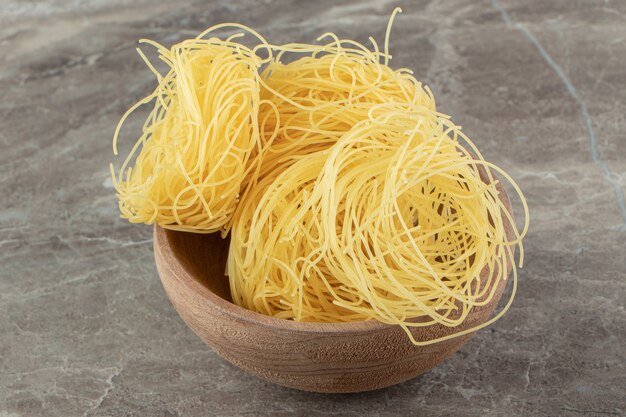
[(320, 357)]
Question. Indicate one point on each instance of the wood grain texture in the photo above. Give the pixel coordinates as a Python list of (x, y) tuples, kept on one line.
[(320, 357)]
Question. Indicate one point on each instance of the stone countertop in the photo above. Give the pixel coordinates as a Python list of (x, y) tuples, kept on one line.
[(85, 326)]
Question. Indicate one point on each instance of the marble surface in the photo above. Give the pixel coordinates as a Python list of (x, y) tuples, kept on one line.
[(85, 326)]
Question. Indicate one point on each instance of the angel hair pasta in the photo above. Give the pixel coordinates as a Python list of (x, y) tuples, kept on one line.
[(393, 222), (192, 156), (347, 194)]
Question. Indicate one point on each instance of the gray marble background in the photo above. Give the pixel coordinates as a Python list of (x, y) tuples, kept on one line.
[(85, 326)]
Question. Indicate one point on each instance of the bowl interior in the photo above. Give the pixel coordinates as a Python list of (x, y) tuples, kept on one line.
[(204, 256)]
